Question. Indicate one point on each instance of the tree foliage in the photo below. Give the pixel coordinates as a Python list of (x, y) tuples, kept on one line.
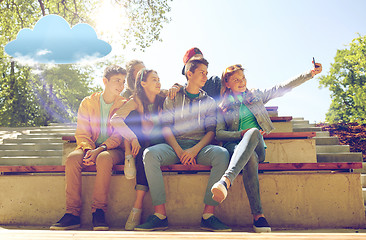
[(37, 96), (146, 20), (346, 80)]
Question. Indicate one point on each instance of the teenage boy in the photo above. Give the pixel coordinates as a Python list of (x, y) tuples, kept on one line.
[(189, 123), (97, 144), (213, 85)]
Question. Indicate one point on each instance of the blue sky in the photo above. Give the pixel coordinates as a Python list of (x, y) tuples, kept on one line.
[(273, 39)]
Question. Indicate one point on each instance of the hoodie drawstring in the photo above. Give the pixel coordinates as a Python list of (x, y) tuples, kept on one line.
[(184, 98), (199, 109), (199, 112)]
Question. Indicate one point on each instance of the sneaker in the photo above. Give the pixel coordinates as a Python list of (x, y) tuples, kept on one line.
[(219, 191), (99, 223), (67, 222), (130, 168), (261, 225), (214, 224), (133, 220), (153, 223)]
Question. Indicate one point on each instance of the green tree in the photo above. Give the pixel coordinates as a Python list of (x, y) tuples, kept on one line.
[(59, 91), (28, 99), (346, 81), (146, 21)]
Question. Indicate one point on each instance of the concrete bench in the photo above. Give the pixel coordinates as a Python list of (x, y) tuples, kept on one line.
[(282, 124), (286, 147), (294, 195), (339, 166)]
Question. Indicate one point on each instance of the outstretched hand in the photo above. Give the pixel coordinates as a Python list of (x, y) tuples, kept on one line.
[(318, 69)]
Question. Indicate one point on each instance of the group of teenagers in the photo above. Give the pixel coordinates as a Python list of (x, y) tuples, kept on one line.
[(146, 127)]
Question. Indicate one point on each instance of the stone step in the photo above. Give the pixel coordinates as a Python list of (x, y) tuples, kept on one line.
[(308, 129), (31, 146), (19, 129), (326, 140), (363, 180), (30, 161), (56, 127), (62, 124), (299, 122), (300, 125), (61, 130), (25, 153), (339, 157), (332, 148), (33, 140), (322, 134), (362, 170), (46, 135), (297, 118), (301, 200)]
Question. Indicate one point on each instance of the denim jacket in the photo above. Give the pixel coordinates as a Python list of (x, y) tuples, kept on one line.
[(228, 120)]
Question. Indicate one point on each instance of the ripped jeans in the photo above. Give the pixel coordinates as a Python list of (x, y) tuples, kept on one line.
[(245, 155)]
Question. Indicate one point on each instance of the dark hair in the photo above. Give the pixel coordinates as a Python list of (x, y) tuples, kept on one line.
[(140, 92), (113, 70), (193, 64), (130, 66)]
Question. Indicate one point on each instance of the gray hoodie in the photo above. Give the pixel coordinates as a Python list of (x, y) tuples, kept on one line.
[(190, 119)]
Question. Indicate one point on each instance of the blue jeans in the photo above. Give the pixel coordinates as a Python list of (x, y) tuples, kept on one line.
[(164, 154), (245, 155)]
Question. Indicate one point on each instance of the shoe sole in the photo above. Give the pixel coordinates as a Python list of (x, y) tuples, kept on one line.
[(217, 195), (65, 228), (216, 230), (100, 228), (131, 228), (261, 229), (129, 177), (151, 229)]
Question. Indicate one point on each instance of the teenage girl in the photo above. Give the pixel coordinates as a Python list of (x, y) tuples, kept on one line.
[(143, 130), (242, 121)]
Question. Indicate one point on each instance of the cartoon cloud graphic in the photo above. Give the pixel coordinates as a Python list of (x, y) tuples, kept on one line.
[(53, 41)]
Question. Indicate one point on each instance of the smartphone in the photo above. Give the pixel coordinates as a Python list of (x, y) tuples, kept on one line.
[(314, 62)]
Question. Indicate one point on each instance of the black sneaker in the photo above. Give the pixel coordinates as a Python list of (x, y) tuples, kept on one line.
[(214, 224), (99, 223), (153, 223), (261, 225), (67, 222)]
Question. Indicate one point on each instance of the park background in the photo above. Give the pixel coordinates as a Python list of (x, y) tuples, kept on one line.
[(273, 40)]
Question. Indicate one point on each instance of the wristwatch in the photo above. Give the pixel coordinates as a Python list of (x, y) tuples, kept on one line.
[(103, 146)]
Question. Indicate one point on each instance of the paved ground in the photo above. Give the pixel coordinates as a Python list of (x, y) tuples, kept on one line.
[(30, 233)]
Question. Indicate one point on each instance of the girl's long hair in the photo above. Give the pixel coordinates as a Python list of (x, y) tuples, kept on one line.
[(139, 92), (224, 91)]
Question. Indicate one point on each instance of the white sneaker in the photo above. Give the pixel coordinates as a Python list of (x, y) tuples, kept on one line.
[(130, 168), (219, 192), (133, 219)]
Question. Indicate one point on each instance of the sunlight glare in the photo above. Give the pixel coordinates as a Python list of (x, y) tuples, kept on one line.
[(110, 20)]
